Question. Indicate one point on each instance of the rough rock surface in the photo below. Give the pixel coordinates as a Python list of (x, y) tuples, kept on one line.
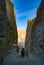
[(28, 35), (8, 28), (37, 33)]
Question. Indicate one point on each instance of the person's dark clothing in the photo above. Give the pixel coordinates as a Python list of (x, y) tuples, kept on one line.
[(22, 52)]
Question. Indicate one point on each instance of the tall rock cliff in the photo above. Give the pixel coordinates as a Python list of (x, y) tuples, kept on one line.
[(12, 20), (28, 35), (8, 28), (21, 37), (37, 33)]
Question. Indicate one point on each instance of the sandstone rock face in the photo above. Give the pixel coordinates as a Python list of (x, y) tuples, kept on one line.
[(12, 20), (8, 28), (37, 46), (21, 37), (28, 35), (37, 33)]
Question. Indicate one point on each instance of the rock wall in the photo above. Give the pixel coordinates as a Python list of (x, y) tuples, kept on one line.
[(37, 33), (8, 28), (37, 46), (21, 35), (12, 20), (28, 35)]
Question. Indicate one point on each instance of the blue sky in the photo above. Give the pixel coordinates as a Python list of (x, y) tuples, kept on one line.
[(25, 9)]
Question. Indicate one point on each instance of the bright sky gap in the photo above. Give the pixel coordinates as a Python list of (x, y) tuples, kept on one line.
[(25, 9)]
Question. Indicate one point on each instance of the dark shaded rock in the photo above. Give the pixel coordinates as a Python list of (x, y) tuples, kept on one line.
[(28, 35), (36, 46), (8, 27)]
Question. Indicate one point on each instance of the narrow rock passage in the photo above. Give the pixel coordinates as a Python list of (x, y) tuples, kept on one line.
[(16, 59)]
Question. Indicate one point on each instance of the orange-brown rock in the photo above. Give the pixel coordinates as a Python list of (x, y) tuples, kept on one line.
[(21, 35), (28, 35)]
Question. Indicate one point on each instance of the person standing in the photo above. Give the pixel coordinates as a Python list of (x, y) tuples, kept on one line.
[(22, 52)]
